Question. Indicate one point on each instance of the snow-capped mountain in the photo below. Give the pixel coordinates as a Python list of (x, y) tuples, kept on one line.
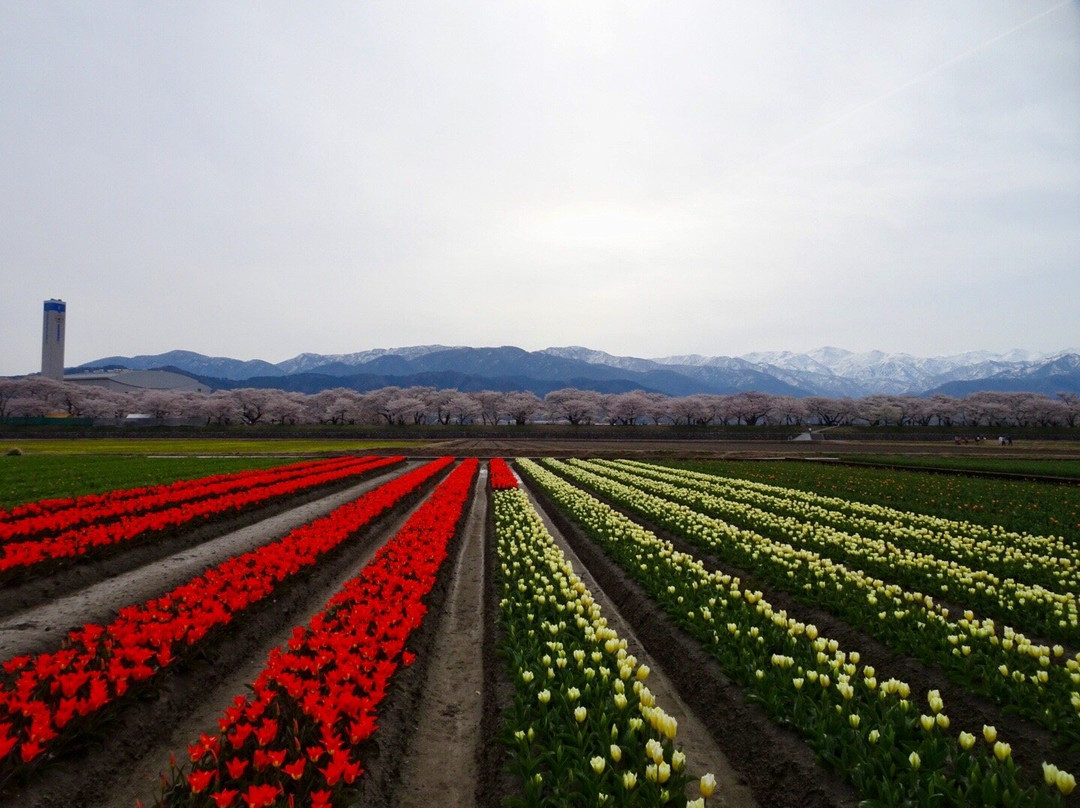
[(849, 373), (593, 357), (829, 371), (309, 362)]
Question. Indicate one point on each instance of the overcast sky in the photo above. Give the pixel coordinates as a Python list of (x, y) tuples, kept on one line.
[(257, 180)]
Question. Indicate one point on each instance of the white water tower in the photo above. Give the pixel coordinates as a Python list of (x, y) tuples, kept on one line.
[(52, 340)]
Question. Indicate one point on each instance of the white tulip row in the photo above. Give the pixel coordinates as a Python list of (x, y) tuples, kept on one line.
[(582, 665), (966, 541), (1042, 681), (824, 683), (1036, 608)]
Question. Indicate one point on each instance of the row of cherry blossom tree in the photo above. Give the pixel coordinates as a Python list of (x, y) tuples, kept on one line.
[(35, 396)]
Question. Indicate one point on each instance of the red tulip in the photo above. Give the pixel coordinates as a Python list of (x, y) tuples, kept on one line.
[(261, 796), (199, 780), (236, 767), (224, 798)]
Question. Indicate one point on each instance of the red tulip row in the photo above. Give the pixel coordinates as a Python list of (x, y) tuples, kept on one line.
[(15, 555), (294, 741), (501, 476), (42, 697), (60, 508), (50, 517)]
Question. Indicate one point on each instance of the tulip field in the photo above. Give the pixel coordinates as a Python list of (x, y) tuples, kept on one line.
[(536, 632)]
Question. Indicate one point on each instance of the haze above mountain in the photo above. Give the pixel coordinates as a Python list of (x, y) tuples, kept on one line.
[(832, 372)]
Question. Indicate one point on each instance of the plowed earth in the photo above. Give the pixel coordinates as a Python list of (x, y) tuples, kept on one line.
[(436, 739)]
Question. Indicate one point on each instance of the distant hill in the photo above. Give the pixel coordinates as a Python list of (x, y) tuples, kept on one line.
[(192, 363), (1059, 375), (442, 380), (831, 372)]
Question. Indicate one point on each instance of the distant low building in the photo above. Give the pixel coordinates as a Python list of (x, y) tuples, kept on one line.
[(130, 381)]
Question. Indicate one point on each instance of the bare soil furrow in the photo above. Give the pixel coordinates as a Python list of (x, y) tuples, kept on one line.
[(384, 754), (448, 721)]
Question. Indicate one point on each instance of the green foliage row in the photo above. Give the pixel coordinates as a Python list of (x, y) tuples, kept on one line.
[(1001, 465), (1039, 508), (195, 446)]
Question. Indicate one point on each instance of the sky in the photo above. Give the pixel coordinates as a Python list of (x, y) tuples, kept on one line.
[(257, 180)]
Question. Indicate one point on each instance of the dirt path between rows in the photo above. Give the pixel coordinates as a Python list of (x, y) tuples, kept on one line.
[(451, 705)]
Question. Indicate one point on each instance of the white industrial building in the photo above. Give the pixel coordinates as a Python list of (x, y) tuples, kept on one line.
[(132, 381), (53, 332)]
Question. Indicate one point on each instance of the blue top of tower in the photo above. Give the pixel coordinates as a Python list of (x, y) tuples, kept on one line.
[(55, 305)]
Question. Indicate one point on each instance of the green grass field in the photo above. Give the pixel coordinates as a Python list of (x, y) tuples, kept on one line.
[(1039, 508), (197, 446)]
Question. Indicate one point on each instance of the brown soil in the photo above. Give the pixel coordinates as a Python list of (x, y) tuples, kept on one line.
[(448, 721), (720, 449)]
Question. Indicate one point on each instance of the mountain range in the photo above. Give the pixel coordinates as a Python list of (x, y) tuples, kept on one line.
[(831, 372)]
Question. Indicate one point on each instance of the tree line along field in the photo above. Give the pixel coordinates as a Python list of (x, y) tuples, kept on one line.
[(36, 397), (551, 632)]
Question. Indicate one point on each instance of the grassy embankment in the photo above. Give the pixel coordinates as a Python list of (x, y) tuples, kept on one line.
[(1046, 468)]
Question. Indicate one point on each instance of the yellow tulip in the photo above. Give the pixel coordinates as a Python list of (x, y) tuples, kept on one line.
[(707, 785), (1065, 782)]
